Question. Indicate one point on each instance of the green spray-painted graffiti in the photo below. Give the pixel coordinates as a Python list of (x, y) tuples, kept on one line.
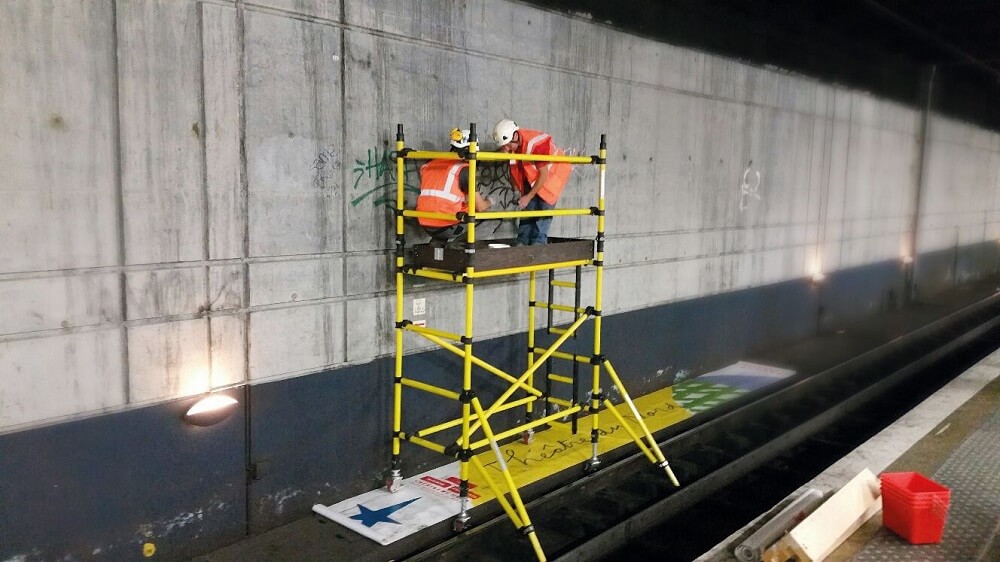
[(375, 178)]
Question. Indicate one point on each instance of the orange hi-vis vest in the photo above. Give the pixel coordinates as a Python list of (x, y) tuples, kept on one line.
[(521, 172), (441, 192)]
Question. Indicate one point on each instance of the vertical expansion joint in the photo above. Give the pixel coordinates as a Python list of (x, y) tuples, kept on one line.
[(399, 131), (403, 323)]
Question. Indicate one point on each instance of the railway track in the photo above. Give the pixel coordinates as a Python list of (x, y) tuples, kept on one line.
[(745, 456)]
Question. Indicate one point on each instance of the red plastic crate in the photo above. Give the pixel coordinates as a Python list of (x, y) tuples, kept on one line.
[(914, 506)]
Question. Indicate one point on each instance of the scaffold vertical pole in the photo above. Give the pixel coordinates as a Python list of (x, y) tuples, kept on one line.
[(527, 436), (395, 477), (461, 522), (595, 391)]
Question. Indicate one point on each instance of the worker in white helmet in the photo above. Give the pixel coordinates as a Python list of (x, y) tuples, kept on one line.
[(539, 183), (444, 185)]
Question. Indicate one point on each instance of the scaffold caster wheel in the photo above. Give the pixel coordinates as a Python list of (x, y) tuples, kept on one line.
[(527, 437), (394, 483), (591, 466), (461, 524)]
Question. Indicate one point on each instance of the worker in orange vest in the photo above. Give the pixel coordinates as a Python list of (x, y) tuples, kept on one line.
[(444, 185), (540, 183)]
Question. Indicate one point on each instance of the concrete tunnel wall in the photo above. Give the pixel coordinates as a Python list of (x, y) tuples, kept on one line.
[(194, 193)]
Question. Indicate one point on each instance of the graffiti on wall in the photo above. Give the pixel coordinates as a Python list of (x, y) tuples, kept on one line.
[(750, 186), (325, 167), (374, 176)]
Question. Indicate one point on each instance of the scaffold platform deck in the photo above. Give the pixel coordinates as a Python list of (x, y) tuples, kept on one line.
[(502, 254)]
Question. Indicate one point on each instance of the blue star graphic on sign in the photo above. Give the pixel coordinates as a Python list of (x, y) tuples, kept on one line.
[(369, 517)]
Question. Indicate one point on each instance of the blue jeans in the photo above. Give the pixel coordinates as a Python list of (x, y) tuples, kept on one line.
[(535, 230)]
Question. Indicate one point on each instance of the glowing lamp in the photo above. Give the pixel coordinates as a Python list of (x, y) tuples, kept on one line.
[(211, 410)]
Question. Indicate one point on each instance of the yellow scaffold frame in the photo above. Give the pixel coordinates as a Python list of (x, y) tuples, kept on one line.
[(474, 416)]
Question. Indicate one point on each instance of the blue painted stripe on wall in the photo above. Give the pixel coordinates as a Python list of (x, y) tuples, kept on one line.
[(104, 482), (104, 486)]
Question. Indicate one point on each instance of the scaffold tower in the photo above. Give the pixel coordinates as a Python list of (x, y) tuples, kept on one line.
[(476, 261)]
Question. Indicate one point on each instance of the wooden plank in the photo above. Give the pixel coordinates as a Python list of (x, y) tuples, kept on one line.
[(819, 534)]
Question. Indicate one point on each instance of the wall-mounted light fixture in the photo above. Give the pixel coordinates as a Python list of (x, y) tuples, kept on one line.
[(211, 410)]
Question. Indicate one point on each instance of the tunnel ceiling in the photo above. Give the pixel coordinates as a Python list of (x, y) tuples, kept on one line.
[(883, 46)]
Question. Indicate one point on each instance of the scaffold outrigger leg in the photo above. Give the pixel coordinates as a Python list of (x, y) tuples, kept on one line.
[(518, 514)]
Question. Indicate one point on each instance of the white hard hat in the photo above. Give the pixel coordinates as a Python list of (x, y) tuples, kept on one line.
[(459, 138), (503, 131)]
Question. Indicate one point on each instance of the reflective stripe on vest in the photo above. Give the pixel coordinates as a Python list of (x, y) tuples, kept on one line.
[(447, 192), (523, 172), (440, 191)]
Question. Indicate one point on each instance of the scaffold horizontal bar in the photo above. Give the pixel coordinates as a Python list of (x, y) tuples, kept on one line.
[(430, 215), (526, 268), (526, 426), (557, 331), (507, 156), (429, 388), (431, 155), (488, 215), (561, 307), (567, 284), (560, 378), (435, 274), (433, 332), (425, 443), (564, 355)]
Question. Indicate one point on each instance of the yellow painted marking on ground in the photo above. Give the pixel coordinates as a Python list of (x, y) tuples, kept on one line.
[(557, 449)]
